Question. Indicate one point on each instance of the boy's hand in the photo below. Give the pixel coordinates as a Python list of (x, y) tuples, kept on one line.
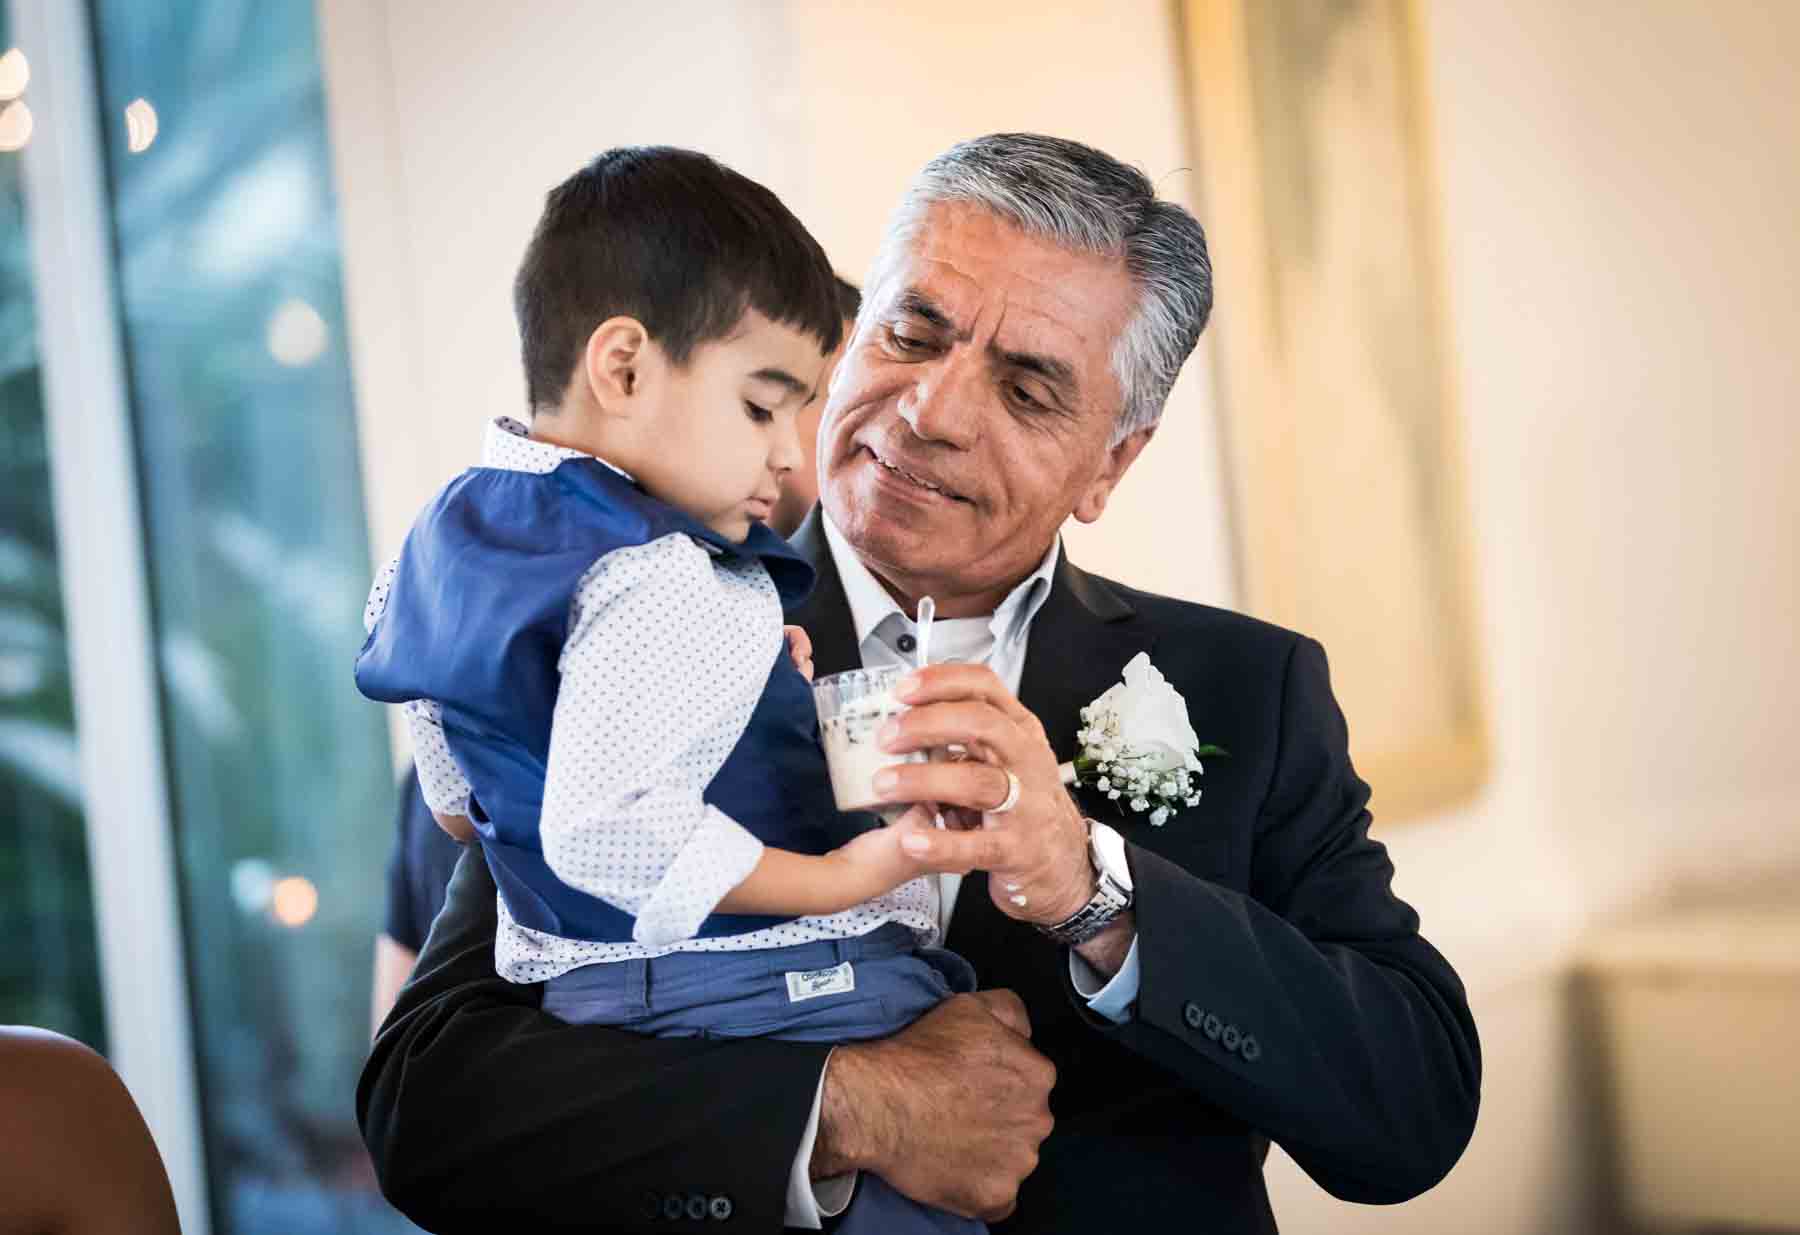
[(800, 648), (874, 863), (458, 826)]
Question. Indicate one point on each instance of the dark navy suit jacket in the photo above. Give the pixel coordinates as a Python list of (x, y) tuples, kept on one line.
[(1286, 994), (419, 868)]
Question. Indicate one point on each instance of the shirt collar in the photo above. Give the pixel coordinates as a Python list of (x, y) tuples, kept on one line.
[(509, 446), (870, 603)]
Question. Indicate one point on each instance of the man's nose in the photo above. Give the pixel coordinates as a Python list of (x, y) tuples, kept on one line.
[(944, 403)]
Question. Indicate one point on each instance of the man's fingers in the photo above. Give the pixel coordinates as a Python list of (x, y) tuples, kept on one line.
[(919, 817), (963, 722), (1008, 1009), (799, 641), (958, 852), (977, 786), (940, 683)]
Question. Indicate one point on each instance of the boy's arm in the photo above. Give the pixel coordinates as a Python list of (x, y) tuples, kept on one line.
[(578, 1125), (662, 667), (441, 780)]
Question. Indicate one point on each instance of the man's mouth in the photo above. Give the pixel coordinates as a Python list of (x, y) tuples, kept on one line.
[(913, 478)]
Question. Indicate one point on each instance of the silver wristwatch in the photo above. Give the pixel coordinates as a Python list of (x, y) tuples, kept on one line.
[(1112, 889)]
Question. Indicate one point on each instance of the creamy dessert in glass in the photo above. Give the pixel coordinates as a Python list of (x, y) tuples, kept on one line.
[(853, 706)]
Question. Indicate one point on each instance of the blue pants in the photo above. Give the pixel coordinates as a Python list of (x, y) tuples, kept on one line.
[(832, 990)]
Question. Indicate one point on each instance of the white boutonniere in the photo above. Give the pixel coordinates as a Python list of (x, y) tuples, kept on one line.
[(1137, 746)]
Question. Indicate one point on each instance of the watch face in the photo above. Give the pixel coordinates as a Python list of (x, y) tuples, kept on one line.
[(1109, 854)]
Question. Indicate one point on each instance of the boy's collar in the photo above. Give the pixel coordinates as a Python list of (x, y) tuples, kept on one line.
[(509, 446), (613, 488)]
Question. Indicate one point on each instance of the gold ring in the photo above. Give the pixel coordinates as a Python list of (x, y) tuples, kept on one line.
[(1012, 795)]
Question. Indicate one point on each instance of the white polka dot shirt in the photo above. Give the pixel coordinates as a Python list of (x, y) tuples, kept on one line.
[(666, 657)]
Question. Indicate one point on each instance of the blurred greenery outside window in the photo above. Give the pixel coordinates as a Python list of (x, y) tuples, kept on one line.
[(224, 233), (49, 962)]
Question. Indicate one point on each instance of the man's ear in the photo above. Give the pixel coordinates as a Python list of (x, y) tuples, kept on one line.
[(614, 362), (1118, 457)]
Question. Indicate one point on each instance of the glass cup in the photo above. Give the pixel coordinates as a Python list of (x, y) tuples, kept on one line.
[(853, 706)]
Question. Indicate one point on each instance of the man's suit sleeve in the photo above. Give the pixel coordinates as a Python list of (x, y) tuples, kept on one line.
[(1311, 1009), (483, 1113)]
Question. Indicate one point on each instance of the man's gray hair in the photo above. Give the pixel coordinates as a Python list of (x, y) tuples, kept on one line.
[(1084, 199)]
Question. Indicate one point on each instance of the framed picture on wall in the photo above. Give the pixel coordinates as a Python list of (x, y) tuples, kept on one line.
[(1337, 388)]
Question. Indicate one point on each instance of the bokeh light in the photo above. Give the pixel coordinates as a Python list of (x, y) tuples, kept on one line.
[(297, 334), (293, 901), (15, 125), (140, 125), (15, 74)]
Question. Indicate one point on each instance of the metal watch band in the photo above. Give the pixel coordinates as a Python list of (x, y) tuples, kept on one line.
[(1108, 902)]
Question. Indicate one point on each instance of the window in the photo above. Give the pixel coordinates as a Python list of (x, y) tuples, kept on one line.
[(49, 963), (225, 250)]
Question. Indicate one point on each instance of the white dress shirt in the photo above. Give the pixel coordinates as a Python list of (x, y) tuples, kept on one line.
[(1000, 642)]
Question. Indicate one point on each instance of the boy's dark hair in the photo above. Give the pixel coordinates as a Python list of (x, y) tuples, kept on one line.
[(678, 241), (849, 299)]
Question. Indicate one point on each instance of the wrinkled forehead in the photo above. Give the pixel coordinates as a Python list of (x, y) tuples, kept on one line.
[(998, 284)]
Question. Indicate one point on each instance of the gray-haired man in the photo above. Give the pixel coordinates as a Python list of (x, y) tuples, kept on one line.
[(1159, 1001)]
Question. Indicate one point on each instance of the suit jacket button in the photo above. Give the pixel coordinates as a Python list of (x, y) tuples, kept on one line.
[(1230, 1038), (719, 1207), (1250, 1049), (1191, 1013), (1213, 1027), (696, 1206), (674, 1207)]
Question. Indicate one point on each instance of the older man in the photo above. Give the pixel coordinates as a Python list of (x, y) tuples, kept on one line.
[(1159, 1002)]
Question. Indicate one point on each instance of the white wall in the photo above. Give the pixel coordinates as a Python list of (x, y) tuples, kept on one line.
[(450, 127), (1623, 266)]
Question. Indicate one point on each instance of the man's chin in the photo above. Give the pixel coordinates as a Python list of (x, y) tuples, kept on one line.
[(894, 534)]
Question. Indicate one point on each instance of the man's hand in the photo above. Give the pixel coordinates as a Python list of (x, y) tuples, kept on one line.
[(1037, 853), (800, 648), (950, 1110)]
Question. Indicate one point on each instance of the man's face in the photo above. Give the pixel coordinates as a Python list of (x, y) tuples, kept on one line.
[(971, 412)]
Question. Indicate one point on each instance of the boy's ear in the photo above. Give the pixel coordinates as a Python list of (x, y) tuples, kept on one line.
[(614, 361)]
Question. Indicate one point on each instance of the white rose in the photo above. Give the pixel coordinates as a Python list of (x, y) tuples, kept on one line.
[(1152, 717)]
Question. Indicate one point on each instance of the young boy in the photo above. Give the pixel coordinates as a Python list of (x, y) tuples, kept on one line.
[(586, 633)]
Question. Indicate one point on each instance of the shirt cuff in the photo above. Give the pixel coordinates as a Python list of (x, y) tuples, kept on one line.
[(1113, 999), (717, 856), (810, 1202)]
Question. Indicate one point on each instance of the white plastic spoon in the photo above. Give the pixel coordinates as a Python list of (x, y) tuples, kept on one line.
[(927, 611)]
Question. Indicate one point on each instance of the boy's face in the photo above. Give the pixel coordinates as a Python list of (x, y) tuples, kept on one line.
[(725, 428)]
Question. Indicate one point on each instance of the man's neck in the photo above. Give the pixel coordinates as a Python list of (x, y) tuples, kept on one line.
[(906, 590), (950, 604)]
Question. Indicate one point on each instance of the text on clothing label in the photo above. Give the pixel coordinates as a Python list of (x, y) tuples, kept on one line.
[(811, 983)]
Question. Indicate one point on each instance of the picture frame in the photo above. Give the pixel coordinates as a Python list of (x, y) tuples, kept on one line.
[(1337, 383)]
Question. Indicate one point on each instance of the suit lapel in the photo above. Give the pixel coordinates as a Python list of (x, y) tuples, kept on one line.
[(826, 612), (1079, 643)]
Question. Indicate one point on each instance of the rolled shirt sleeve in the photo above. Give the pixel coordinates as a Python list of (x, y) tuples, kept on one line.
[(1111, 999), (441, 782), (665, 660)]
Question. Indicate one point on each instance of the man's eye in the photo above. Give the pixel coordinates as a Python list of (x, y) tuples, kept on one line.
[(761, 415), (907, 343), (1021, 395)]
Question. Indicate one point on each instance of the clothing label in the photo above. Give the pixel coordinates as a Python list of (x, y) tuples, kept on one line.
[(811, 983)]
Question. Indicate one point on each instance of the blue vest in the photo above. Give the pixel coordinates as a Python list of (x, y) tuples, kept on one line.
[(477, 619)]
